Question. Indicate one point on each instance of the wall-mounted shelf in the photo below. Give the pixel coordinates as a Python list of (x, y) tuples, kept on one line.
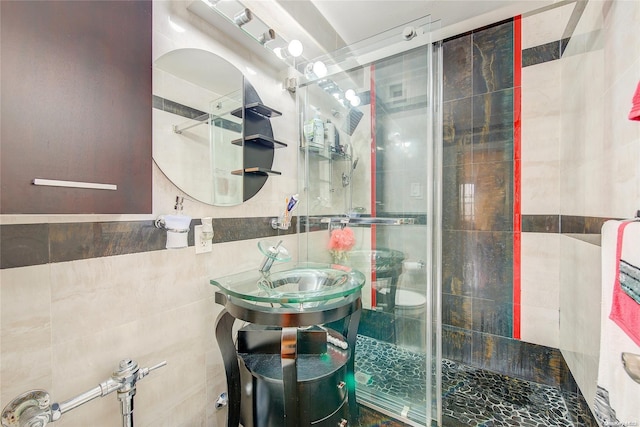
[(260, 139), (362, 220), (258, 108), (255, 171), (258, 144), (332, 155)]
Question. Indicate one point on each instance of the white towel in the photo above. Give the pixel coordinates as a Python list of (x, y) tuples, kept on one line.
[(613, 381)]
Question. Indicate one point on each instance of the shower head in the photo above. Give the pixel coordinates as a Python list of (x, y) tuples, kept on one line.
[(355, 163)]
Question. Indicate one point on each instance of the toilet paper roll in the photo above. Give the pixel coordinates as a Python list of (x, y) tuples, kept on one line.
[(413, 265)]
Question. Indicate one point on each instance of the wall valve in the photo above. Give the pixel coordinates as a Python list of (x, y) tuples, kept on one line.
[(31, 409)]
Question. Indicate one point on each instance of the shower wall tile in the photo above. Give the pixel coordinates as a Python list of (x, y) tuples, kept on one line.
[(540, 134), (478, 200), (456, 311), (540, 186), (457, 262), (491, 265), (541, 92), (493, 196), (540, 325), (493, 126), (541, 166), (541, 223), (478, 264), (545, 27), (522, 360), (493, 317), (541, 53), (581, 224), (580, 310), (457, 131), (540, 271), (493, 58), (456, 68), (457, 344), (478, 197), (458, 202)]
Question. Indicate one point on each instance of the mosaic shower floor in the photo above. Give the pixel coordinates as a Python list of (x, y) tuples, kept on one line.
[(392, 379)]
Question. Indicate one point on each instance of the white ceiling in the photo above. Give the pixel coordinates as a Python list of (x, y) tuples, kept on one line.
[(355, 20), (328, 25)]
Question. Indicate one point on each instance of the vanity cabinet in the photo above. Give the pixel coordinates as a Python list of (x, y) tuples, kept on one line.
[(76, 106), (320, 372), (292, 364)]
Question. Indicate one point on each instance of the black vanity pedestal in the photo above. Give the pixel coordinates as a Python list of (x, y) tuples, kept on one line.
[(283, 372)]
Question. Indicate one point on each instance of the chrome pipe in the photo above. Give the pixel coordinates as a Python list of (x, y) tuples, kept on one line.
[(101, 390)]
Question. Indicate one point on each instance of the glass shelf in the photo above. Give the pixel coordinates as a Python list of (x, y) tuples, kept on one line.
[(259, 109), (331, 155), (255, 171), (261, 140), (361, 220)]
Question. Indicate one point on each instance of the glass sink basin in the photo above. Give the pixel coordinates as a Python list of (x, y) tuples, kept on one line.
[(302, 283)]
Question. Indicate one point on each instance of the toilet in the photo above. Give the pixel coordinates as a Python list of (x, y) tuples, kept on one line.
[(410, 320)]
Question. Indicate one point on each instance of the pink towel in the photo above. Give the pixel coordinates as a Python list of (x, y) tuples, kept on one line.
[(625, 312), (634, 114)]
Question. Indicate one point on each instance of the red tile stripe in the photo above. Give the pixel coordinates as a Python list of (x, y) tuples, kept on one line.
[(517, 150)]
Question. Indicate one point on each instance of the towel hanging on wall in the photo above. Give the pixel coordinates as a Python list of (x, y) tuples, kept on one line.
[(616, 399), (634, 114), (625, 310)]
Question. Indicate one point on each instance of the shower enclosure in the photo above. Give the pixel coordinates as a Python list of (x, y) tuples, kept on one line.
[(370, 142)]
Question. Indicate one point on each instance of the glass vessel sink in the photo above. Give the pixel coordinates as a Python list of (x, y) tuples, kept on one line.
[(303, 283)]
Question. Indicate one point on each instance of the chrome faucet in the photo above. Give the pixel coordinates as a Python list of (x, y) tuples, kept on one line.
[(270, 255)]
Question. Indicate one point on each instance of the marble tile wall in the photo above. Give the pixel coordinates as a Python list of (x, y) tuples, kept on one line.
[(478, 187), (478, 157)]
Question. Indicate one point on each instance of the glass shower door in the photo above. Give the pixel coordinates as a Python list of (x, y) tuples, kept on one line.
[(372, 203)]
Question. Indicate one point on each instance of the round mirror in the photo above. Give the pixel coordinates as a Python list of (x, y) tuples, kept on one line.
[(194, 94)]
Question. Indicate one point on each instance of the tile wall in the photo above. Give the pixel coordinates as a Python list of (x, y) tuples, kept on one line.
[(478, 188), (599, 174), (479, 272)]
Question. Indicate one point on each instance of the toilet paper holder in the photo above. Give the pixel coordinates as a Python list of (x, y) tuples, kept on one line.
[(414, 265)]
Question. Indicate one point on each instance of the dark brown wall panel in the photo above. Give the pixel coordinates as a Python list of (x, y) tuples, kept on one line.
[(76, 105)]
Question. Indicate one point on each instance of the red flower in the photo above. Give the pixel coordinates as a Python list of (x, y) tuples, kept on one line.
[(342, 239)]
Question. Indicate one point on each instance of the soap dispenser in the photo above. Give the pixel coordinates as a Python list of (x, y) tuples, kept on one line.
[(177, 226)]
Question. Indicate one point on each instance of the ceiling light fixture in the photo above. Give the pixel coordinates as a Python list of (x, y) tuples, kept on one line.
[(349, 93), (242, 17), (224, 13), (267, 36), (281, 53), (295, 48), (319, 69)]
